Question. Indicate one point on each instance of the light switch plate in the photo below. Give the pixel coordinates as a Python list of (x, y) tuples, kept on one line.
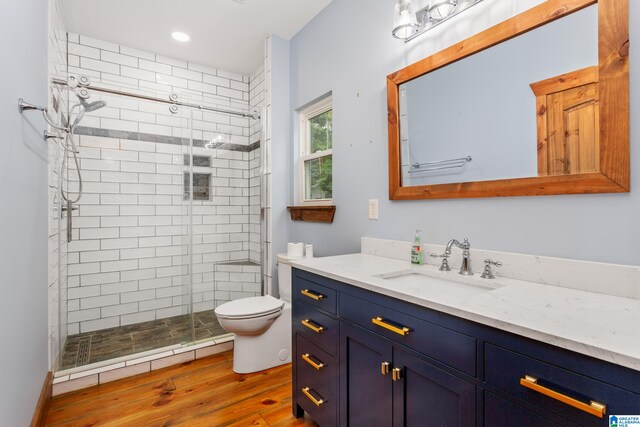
[(373, 208)]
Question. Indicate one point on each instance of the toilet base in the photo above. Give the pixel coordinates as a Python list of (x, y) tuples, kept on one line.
[(264, 351)]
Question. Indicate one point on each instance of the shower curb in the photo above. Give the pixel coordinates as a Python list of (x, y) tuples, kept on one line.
[(67, 382)]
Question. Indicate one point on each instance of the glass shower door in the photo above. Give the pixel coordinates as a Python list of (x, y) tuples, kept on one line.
[(226, 210), (129, 282), (168, 226)]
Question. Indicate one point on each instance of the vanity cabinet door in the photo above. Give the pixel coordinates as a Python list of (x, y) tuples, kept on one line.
[(426, 396), (366, 393)]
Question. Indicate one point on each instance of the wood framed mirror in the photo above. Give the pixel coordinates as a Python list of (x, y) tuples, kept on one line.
[(591, 102)]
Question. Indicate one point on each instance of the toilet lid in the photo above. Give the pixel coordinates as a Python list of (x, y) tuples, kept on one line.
[(250, 307)]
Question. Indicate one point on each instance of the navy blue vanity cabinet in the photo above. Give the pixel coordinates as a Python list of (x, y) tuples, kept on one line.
[(385, 383), (315, 351), (366, 364), (424, 395), (499, 412), (393, 363), (560, 388)]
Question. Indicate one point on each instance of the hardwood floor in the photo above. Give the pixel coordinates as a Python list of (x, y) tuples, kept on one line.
[(205, 392)]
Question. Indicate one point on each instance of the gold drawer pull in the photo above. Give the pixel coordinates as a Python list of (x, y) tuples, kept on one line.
[(401, 330), (317, 402), (317, 365), (312, 295), (309, 324), (593, 408)]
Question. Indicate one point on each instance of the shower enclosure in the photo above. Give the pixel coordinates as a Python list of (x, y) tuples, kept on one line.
[(165, 220)]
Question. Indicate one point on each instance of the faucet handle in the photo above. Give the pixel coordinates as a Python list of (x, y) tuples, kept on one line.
[(445, 263), (487, 273)]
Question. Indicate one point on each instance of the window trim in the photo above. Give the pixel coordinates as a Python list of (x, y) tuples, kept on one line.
[(321, 106)]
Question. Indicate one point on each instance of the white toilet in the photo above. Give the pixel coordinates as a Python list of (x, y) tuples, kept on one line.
[(262, 326)]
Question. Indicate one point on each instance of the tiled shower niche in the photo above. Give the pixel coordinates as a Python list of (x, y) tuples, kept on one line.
[(201, 186)]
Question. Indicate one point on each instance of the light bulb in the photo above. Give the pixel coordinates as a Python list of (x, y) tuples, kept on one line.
[(440, 9), (404, 20), (180, 36)]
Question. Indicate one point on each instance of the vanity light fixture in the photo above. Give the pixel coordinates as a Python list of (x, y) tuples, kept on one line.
[(407, 25), (180, 36), (405, 22)]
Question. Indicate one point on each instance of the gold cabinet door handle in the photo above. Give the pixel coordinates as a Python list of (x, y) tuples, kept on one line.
[(316, 365), (396, 374), (400, 330), (313, 295), (593, 408), (384, 368), (315, 328), (317, 402)]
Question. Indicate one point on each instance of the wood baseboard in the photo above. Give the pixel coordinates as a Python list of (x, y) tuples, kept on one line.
[(40, 413)]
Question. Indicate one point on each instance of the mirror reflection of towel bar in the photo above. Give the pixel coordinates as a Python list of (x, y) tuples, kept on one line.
[(440, 164)]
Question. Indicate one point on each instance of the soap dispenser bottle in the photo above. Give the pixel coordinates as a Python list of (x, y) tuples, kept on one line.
[(417, 254)]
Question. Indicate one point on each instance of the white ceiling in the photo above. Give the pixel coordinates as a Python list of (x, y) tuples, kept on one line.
[(225, 34)]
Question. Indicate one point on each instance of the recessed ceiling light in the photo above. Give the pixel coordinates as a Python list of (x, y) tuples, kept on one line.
[(180, 36)]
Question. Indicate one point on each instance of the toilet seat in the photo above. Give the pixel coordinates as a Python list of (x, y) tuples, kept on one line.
[(247, 308)]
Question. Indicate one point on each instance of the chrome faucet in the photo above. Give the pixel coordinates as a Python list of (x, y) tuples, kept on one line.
[(465, 267)]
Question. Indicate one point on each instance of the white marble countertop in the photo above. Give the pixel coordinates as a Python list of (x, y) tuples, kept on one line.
[(602, 326)]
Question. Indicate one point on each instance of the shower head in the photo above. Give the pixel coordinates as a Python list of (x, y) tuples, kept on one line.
[(92, 106), (87, 107)]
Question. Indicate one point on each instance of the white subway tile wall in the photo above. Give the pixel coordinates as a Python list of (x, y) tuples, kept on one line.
[(148, 73), (256, 99), (261, 93), (128, 261)]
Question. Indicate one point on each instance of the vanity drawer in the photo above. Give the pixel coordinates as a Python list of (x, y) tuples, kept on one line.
[(319, 403), (444, 345), (317, 370), (556, 389), (315, 295), (314, 364), (317, 327)]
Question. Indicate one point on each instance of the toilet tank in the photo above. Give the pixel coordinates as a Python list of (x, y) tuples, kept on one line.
[(284, 276)]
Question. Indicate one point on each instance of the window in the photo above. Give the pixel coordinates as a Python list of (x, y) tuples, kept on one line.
[(316, 160)]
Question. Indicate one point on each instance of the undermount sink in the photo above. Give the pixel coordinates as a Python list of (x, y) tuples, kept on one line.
[(436, 281)]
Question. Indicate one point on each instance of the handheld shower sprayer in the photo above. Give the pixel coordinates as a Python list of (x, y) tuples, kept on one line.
[(85, 107)]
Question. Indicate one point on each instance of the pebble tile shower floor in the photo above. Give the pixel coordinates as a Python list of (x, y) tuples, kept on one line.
[(105, 344)]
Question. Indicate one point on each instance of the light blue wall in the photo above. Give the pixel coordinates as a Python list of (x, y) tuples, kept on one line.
[(23, 191), (280, 123), (348, 49)]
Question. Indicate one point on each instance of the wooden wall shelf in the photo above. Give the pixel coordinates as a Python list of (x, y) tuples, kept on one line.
[(312, 213)]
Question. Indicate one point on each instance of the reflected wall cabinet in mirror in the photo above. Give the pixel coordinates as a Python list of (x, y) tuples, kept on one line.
[(536, 105)]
